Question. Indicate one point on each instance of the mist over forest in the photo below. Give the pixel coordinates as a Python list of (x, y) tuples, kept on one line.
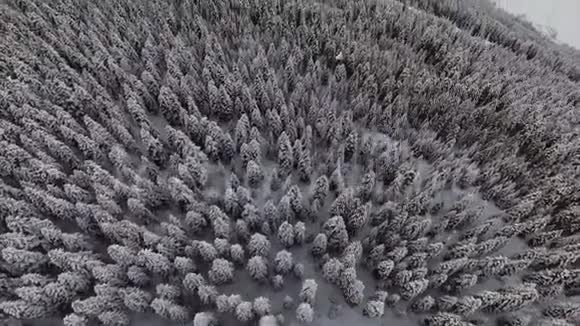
[(299, 162)]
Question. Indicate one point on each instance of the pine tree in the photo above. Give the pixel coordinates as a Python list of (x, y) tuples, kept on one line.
[(305, 166), (354, 292), (237, 254), (331, 270), (299, 233), (138, 276), (286, 234), (204, 319), (261, 306), (221, 272), (257, 268), (20, 261), (207, 293), (244, 312), (192, 281), (136, 299), (285, 155), (304, 313), (423, 305), (258, 245), (319, 245), (335, 231), (374, 309), (413, 288), (443, 319), (298, 271), (308, 291), (75, 320), (467, 305), (283, 262), (255, 174), (169, 105)]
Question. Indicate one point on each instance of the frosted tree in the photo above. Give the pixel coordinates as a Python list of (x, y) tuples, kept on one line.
[(285, 212), (205, 250), (222, 246), (331, 270), (21, 309), (255, 174), (75, 320), (359, 218), (136, 299), (286, 234), (192, 281), (277, 282), (304, 313), (443, 319), (268, 320), (374, 309), (283, 262), (413, 288), (320, 192), (467, 306), (461, 282), (521, 318), (138, 276), (252, 216), (169, 105), (261, 306), (423, 305), (204, 319), (169, 310), (299, 233), (285, 155), (563, 310), (354, 292), (257, 268), (237, 254), (298, 271), (335, 231), (367, 186), (319, 245), (154, 262), (296, 201), (113, 318), (111, 273), (245, 312), (207, 293), (242, 230), (308, 291), (19, 261), (221, 272), (305, 166), (384, 269), (258, 245), (249, 153), (392, 300)]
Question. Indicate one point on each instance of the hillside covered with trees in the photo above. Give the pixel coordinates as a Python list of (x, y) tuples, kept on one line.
[(269, 162)]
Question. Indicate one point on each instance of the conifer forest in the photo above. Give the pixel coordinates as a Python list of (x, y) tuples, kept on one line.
[(286, 162)]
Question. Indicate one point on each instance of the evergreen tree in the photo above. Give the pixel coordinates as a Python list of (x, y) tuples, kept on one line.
[(244, 312), (285, 155), (255, 174), (304, 313), (257, 268), (221, 272), (308, 291), (261, 306), (335, 231), (319, 245)]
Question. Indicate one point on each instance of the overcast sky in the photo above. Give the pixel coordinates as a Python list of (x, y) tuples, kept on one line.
[(562, 15)]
